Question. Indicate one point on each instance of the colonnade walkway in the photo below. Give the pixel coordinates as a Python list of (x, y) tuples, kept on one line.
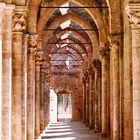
[(69, 131)]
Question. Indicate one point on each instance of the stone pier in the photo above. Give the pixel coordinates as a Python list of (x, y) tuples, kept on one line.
[(31, 87), (104, 54), (37, 92), (133, 11)]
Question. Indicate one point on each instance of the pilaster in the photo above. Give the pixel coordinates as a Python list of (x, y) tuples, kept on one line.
[(47, 78), (133, 11), (6, 44), (2, 6), (24, 95), (38, 60), (115, 43), (104, 54), (19, 26), (90, 70), (87, 97), (84, 99), (42, 97), (32, 41), (97, 97)]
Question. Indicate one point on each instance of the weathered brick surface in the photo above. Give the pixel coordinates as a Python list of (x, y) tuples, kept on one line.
[(106, 98)]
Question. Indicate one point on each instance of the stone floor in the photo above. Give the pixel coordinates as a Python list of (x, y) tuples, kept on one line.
[(69, 131)]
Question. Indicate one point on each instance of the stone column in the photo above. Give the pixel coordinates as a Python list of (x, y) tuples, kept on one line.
[(48, 100), (31, 88), (104, 54), (24, 94), (133, 11), (97, 96), (37, 92), (87, 98), (42, 95), (111, 95), (128, 96), (90, 97), (93, 92), (45, 105), (84, 99), (2, 6), (46, 96), (19, 26), (115, 43), (6, 53)]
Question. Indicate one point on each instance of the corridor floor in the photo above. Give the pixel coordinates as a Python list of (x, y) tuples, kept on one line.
[(69, 131)]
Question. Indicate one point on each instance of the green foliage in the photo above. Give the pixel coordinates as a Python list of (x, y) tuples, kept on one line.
[(64, 99), (60, 98)]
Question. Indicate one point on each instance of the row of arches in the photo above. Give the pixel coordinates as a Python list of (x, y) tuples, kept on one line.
[(59, 44)]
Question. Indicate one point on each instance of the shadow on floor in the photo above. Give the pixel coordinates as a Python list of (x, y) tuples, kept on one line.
[(69, 131)]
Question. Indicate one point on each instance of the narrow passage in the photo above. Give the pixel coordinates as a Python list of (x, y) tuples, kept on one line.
[(69, 131)]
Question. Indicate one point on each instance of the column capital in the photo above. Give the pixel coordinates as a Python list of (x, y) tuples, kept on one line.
[(46, 68), (96, 64), (32, 40), (19, 19), (39, 58), (43, 67), (86, 74), (133, 11), (84, 79), (47, 73), (90, 69), (104, 53), (47, 78), (114, 42)]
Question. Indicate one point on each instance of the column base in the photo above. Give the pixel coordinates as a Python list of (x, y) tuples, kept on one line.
[(36, 137), (90, 126), (103, 135), (97, 131), (87, 124), (84, 121)]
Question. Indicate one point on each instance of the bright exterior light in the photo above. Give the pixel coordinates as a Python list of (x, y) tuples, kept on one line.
[(64, 10), (65, 36), (65, 24)]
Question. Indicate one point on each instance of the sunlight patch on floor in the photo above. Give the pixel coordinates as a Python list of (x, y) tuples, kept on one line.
[(69, 131)]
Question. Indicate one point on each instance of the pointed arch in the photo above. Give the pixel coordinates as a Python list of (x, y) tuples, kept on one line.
[(95, 14)]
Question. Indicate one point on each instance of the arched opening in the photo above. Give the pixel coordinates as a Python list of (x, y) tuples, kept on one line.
[(64, 107), (67, 62)]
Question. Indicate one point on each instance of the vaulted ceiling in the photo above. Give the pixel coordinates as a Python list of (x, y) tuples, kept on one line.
[(69, 44), (71, 34)]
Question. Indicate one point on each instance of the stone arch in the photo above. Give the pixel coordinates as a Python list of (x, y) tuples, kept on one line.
[(95, 14), (74, 41), (114, 6), (115, 21), (77, 33), (64, 91), (75, 18), (70, 52), (32, 15), (74, 32)]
